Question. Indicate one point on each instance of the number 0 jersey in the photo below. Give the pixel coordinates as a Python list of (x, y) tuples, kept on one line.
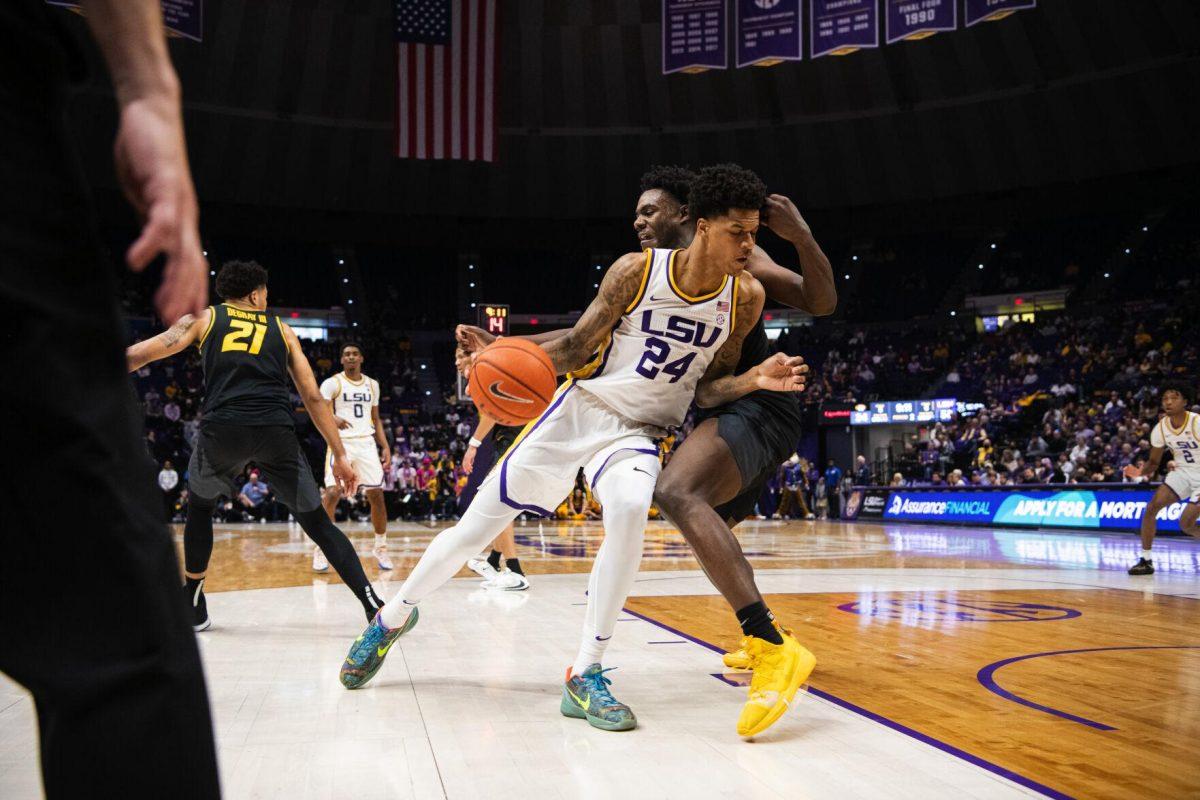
[(245, 361), (648, 367), (353, 402)]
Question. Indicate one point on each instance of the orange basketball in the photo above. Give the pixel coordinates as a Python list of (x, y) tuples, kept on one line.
[(512, 381)]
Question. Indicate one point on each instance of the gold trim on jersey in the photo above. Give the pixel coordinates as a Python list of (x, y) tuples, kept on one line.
[(1167, 424), (687, 298), (352, 383), (279, 322), (733, 307), (641, 292), (587, 369), (212, 318)]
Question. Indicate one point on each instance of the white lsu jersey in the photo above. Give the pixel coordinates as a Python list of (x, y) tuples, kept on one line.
[(1184, 442), (648, 367), (352, 402)]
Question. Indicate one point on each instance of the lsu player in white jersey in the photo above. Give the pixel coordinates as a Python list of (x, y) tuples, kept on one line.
[(665, 327), (354, 401), (1179, 431)]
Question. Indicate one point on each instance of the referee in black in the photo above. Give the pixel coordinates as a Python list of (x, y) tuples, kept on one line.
[(91, 618)]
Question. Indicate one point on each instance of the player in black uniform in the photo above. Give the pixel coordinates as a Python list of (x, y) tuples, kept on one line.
[(512, 579), (247, 416), (717, 475)]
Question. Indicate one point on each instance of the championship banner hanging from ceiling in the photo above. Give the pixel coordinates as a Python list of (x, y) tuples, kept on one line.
[(180, 17), (918, 19), (768, 32), (694, 35), (839, 27), (991, 10)]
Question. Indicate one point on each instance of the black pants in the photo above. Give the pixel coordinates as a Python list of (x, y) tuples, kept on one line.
[(92, 619)]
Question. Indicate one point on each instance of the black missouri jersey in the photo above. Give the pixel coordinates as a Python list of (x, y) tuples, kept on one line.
[(245, 368)]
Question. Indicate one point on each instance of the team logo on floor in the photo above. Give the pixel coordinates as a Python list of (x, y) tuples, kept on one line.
[(923, 610)]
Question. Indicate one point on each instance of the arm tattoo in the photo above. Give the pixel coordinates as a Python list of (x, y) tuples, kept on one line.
[(173, 334), (617, 290)]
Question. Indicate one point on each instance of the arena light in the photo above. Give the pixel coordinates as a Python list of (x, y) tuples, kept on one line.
[(341, 262), (295, 315), (847, 276), (854, 258), (981, 266), (206, 254), (533, 320), (595, 286), (470, 266), (472, 305), (472, 286), (1144, 229), (345, 280), (954, 313), (350, 301), (1106, 274), (993, 245), (212, 272), (1020, 301), (598, 267), (1127, 251)]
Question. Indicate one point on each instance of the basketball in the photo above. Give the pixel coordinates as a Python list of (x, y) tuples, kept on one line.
[(512, 381)]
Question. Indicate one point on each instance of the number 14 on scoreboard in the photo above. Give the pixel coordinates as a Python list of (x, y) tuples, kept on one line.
[(493, 318)]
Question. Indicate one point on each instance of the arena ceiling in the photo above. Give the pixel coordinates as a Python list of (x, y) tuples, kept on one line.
[(290, 105)]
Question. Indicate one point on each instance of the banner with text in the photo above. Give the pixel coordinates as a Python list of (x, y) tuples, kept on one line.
[(694, 35), (768, 32), (990, 10), (839, 27), (1078, 508), (917, 19), (180, 17)]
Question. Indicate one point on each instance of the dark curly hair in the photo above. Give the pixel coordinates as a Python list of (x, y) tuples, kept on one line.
[(717, 189), (1186, 391), (239, 278), (674, 180)]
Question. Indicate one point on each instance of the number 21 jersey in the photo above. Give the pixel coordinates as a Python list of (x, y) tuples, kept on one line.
[(245, 361), (648, 367)]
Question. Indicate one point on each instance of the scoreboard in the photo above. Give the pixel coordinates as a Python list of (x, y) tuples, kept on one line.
[(493, 318), (899, 412)]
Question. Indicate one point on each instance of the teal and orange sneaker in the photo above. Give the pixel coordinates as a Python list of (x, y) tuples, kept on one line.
[(587, 697), (367, 653)]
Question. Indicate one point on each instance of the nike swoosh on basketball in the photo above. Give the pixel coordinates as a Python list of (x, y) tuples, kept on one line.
[(583, 705), (495, 389)]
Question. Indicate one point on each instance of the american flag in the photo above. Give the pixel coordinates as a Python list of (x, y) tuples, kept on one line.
[(446, 65)]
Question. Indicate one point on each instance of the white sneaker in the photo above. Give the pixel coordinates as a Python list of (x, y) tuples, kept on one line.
[(481, 567), (508, 581), (381, 556), (320, 563)]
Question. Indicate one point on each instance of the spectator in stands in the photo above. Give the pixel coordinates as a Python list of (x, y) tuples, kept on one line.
[(897, 480), (256, 499), (168, 482), (862, 472)]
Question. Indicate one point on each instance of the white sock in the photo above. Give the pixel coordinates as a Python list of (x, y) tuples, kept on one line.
[(449, 551), (381, 540), (625, 494), (1146, 555)]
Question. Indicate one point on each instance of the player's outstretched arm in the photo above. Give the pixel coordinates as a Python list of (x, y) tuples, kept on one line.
[(1149, 469), (780, 372), (318, 411), (812, 289), (617, 293), (186, 330), (484, 427)]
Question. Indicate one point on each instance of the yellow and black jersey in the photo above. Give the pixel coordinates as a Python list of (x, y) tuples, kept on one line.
[(245, 357)]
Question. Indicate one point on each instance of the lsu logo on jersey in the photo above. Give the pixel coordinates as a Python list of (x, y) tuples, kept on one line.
[(356, 397), (682, 329)]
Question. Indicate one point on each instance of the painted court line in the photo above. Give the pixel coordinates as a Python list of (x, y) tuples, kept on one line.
[(974, 760)]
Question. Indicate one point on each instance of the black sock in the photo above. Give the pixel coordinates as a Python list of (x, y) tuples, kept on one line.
[(514, 564), (494, 559), (198, 534), (340, 553), (756, 620)]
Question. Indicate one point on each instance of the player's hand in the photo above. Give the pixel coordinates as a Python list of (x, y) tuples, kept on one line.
[(781, 215), (781, 373), (1131, 472), (385, 457), (342, 424), (472, 339), (468, 462), (152, 168), (344, 474)]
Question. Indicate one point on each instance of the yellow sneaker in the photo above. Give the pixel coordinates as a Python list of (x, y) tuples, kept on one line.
[(740, 659), (779, 669)]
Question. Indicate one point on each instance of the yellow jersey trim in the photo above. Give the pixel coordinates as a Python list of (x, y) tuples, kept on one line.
[(733, 312), (352, 383), (587, 369), (1167, 424), (279, 322), (212, 318), (641, 292), (687, 298)]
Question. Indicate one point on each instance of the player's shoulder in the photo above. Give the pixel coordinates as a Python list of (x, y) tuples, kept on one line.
[(750, 289)]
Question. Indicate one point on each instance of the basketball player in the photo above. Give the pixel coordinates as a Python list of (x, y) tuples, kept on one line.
[(1179, 430), (512, 579), (354, 400), (96, 631), (717, 475), (667, 326), (247, 416)]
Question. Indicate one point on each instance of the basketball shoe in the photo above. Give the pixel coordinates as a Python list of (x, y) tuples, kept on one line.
[(739, 659), (368, 651), (587, 697), (382, 557), (199, 606), (1144, 566), (482, 568), (508, 581), (320, 563), (779, 669)]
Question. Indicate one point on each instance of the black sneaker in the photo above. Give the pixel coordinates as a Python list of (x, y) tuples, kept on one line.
[(199, 606), (1144, 566)]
